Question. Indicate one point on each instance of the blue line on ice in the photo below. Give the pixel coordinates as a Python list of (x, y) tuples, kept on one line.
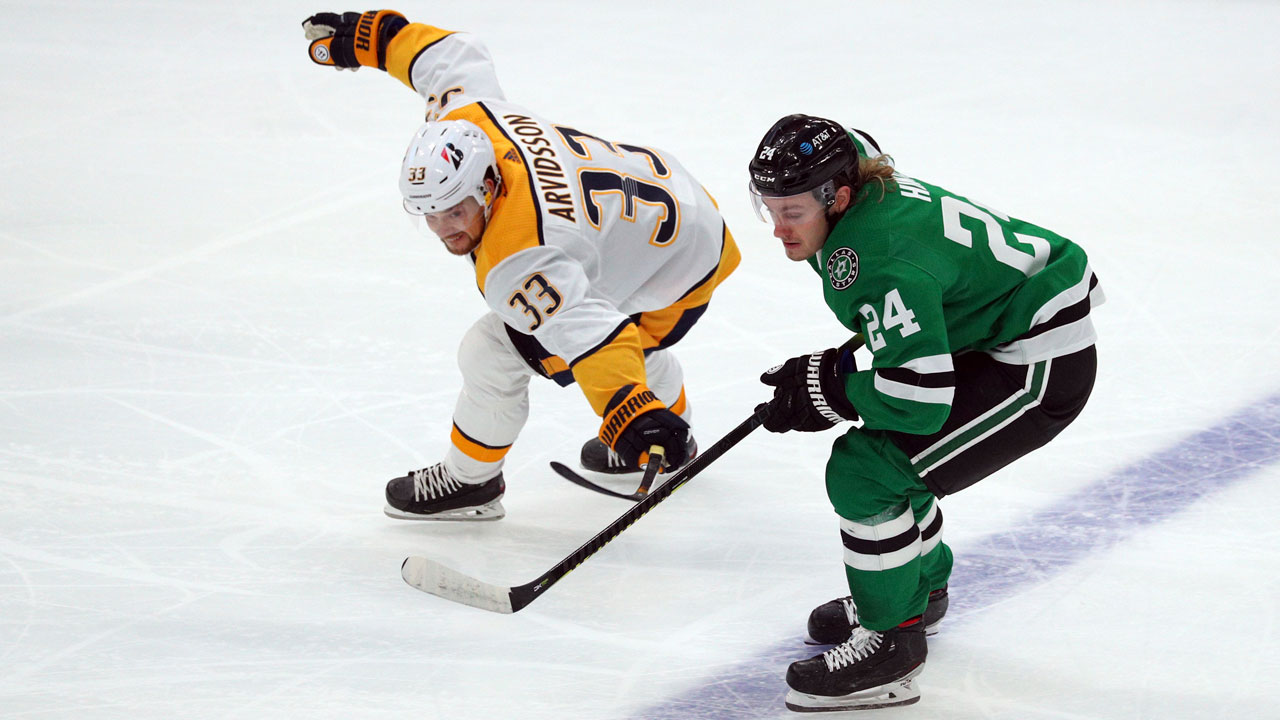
[(999, 565)]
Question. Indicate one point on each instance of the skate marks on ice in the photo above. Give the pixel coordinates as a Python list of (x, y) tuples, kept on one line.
[(999, 566)]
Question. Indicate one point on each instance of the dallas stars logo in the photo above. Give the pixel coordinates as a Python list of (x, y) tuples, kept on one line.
[(842, 268)]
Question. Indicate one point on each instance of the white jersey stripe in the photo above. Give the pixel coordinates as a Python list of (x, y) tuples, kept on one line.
[(931, 364), (935, 396), (1057, 342), (1065, 340), (880, 531), (926, 546)]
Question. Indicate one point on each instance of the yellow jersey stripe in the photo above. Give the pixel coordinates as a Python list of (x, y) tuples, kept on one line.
[(515, 222), (412, 40)]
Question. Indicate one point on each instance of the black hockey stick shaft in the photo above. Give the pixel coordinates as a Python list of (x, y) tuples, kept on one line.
[(522, 595), (432, 577)]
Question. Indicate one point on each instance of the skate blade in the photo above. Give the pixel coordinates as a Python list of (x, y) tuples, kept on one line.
[(894, 694), (480, 513)]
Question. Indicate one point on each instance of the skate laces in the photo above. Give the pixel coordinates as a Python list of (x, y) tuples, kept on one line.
[(433, 482), (861, 644), (615, 460), (850, 610)]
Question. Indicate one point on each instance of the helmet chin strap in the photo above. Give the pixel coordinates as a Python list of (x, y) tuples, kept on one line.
[(833, 216)]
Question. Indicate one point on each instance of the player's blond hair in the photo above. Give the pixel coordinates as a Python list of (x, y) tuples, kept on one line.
[(878, 168)]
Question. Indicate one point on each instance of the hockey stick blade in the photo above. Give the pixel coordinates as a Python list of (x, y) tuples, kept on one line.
[(432, 577), (650, 474), (563, 471)]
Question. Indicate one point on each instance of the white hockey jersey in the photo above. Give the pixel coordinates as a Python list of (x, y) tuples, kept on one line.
[(588, 237)]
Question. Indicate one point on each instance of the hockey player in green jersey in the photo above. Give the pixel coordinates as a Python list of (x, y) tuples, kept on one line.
[(982, 351)]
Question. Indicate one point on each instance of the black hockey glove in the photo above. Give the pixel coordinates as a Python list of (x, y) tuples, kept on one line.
[(352, 39), (635, 419), (808, 392)]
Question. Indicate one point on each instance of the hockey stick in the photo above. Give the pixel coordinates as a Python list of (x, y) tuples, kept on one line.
[(656, 458), (431, 577), (563, 471)]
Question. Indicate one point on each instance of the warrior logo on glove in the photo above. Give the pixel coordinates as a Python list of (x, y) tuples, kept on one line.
[(352, 40), (808, 392), (635, 420)]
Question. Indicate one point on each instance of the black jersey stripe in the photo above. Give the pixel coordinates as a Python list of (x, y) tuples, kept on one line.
[(881, 547), (477, 442), (1065, 316), (608, 339), (935, 526), (724, 233)]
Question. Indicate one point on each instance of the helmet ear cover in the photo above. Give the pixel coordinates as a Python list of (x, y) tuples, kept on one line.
[(825, 193)]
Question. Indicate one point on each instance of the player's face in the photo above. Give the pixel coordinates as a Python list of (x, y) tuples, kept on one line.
[(460, 227), (800, 222)]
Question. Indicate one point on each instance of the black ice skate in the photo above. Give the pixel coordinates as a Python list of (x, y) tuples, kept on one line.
[(870, 670), (832, 622), (433, 494), (598, 457)]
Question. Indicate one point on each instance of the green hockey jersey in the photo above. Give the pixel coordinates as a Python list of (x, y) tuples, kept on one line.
[(924, 274)]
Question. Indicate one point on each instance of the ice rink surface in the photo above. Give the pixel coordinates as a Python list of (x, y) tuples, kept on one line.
[(220, 337)]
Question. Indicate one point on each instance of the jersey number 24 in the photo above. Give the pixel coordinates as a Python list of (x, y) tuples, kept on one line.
[(897, 314)]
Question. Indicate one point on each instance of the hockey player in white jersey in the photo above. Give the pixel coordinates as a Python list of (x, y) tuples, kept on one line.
[(594, 257)]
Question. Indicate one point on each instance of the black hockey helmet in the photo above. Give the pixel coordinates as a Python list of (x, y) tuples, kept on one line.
[(799, 153)]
